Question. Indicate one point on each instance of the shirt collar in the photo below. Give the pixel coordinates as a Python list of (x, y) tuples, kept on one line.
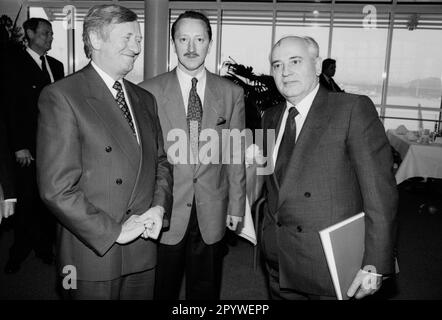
[(304, 105), (186, 78), (34, 54), (106, 77)]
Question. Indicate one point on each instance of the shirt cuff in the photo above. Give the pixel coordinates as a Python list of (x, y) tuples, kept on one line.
[(10, 200)]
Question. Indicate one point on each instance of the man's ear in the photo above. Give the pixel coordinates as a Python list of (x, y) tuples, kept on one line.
[(172, 43), (318, 65), (95, 40)]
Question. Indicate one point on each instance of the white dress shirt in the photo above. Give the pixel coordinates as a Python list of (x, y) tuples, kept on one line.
[(185, 82), (38, 61), (110, 83), (303, 108)]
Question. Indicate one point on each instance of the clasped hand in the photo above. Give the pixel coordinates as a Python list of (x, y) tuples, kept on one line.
[(7, 209), (147, 225), (24, 157)]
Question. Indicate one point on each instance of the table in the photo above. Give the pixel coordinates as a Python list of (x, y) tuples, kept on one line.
[(254, 185), (418, 160)]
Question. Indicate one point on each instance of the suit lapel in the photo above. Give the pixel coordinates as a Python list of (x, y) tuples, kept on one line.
[(211, 109), (309, 137), (102, 101), (274, 122)]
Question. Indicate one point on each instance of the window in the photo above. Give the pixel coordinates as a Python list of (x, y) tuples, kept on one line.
[(211, 57), (359, 48), (314, 24), (413, 119)]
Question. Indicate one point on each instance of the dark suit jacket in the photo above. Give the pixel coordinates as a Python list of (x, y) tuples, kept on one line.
[(93, 175), (23, 110), (219, 189), (341, 165), (331, 87), (6, 164)]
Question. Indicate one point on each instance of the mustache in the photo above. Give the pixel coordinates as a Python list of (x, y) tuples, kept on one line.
[(191, 54)]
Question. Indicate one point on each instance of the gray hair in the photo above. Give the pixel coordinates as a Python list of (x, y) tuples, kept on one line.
[(312, 45), (99, 18)]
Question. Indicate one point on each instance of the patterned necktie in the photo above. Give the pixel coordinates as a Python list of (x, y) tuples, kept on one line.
[(287, 144), (45, 69), (123, 105), (194, 117)]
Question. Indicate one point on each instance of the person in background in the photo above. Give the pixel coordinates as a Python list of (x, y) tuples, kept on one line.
[(7, 183), (332, 160), (32, 69), (327, 74)]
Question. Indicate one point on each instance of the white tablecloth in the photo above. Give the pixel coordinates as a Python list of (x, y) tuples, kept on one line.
[(418, 160)]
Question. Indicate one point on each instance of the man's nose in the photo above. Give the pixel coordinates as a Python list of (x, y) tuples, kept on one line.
[(286, 70), (135, 47)]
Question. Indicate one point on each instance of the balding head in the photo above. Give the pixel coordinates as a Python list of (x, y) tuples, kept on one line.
[(309, 42)]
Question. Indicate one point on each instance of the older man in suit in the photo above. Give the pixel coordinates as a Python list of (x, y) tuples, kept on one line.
[(101, 165), (31, 70), (207, 194), (332, 160)]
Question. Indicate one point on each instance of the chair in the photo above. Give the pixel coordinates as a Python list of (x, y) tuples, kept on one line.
[(257, 209)]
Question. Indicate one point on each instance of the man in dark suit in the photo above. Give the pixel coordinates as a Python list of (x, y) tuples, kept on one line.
[(33, 69), (326, 77), (332, 160), (207, 194), (101, 166)]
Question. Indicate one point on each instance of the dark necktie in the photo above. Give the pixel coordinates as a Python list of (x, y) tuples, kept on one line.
[(287, 144), (123, 105), (194, 117), (45, 69)]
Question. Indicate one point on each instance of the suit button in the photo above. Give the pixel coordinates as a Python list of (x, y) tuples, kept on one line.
[(189, 205), (279, 224), (128, 211), (119, 181), (299, 228), (195, 180), (108, 149), (307, 194)]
